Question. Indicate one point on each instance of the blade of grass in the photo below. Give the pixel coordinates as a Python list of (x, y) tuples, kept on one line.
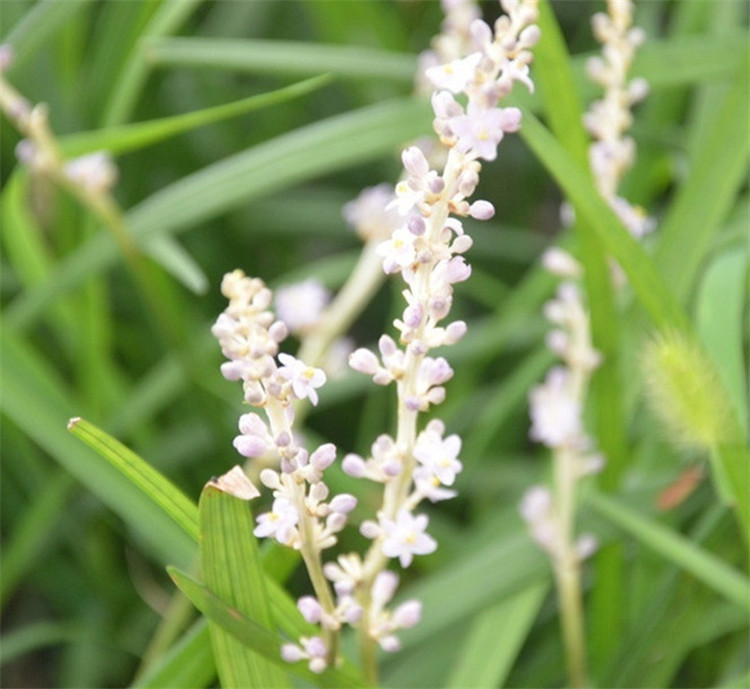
[(132, 137), (706, 196), (706, 567), (134, 73), (188, 665), (281, 58), (721, 305), (333, 144), (255, 636), (647, 283), (564, 112), (162, 492), (36, 26), (495, 639), (230, 563), (34, 400)]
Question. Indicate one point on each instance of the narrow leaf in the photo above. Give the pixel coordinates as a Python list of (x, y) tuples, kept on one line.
[(495, 638), (713, 572), (254, 635), (131, 137), (282, 58), (231, 567), (152, 483)]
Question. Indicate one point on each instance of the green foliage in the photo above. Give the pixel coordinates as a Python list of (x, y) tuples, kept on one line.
[(228, 161)]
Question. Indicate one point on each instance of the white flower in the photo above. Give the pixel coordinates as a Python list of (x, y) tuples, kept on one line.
[(370, 213), (480, 130), (398, 251), (95, 171), (300, 305), (304, 378), (455, 75), (439, 455), (555, 412), (280, 522), (406, 537)]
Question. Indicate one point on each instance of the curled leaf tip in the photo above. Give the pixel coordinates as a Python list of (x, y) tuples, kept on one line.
[(73, 422), (235, 483)]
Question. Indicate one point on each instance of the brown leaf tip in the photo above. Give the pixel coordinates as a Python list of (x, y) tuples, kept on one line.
[(73, 422), (235, 483)]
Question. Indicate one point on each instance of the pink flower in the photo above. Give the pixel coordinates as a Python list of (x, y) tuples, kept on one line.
[(481, 130), (304, 378), (406, 537)]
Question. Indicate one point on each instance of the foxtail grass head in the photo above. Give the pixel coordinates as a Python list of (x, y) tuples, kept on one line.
[(685, 391)]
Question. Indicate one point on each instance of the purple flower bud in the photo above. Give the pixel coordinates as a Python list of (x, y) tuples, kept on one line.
[(369, 529), (335, 522), (278, 331), (323, 457), (415, 162), (416, 225), (232, 370), (343, 503), (318, 492), (412, 403), (436, 185), (364, 361), (384, 587), (386, 345), (353, 465), (353, 614), (390, 644), (391, 468), (455, 331), (444, 105), (481, 210), (310, 608), (316, 647), (407, 614), (292, 653), (250, 445), (413, 315)]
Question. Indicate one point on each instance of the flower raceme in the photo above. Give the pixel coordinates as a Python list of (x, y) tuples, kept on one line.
[(425, 248)]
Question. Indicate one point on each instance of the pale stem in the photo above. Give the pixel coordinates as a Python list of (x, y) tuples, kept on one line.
[(568, 569)]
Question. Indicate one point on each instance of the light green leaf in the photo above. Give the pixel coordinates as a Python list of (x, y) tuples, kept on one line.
[(162, 492), (721, 306), (131, 137), (495, 638), (231, 567), (36, 401), (188, 665), (646, 281), (706, 196), (712, 571), (283, 58), (255, 636)]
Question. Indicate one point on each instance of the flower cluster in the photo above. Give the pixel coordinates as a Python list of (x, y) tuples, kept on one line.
[(425, 243), (613, 152), (556, 408)]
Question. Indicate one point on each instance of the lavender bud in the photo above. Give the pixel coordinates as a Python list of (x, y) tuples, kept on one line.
[(323, 457), (364, 361), (310, 608), (481, 210), (369, 529), (416, 225), (343, 503), (353, 465)]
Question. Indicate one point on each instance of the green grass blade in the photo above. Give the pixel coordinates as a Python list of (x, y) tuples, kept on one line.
[(495, 639), (282, 58), (132, 137), (31, 533), (35, 401), (188, 665), (231, 567), (134, 73), (650, 288), (333, 144), (721, 305), (707, 195), (712, 571), (36, 26), (255, 636), (173, 502)]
